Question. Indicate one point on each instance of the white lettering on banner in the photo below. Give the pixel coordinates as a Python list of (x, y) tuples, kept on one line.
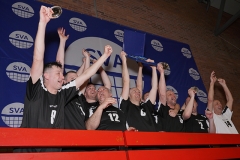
[(95, 46), (12, 114), (22, 10), (194, 74), (21, 39), (157, 45), (119, 35), (18, 71), (186, 52), (78, 24)]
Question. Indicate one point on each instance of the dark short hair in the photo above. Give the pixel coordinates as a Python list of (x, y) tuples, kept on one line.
[(69, 72), (51, 64)]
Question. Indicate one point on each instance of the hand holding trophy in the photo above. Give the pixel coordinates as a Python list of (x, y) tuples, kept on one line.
[(195, 89)]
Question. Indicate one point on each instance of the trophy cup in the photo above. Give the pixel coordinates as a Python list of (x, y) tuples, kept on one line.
[(195, 89), (57, 11), (165, 66)]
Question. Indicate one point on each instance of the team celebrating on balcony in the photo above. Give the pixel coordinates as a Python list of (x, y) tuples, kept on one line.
[(70, 101)]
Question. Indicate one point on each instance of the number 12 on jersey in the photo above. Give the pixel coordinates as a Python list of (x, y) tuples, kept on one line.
[(114, 117)]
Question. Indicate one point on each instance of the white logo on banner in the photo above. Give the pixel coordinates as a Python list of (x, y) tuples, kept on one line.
[(186, 52), (157, 45), (78, 24), (119, 35), (202, 96), (12, 114), (194, 74), (21, 39), (18, 71), (22, 10), (171, 88)]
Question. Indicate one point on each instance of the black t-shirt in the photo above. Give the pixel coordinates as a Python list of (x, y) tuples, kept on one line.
[(75, 112), (43, 109), (168, 123), (90, 107), (112, 119), (196, 123), (139, 117)]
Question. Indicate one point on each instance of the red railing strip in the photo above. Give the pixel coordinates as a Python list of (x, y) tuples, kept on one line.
[(99, 155), (186, 154), (169, 139), (59, 137)]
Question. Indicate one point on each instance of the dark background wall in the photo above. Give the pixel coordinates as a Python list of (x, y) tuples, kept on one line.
[(186, 21)]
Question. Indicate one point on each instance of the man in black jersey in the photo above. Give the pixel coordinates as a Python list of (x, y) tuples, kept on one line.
[(45, 96), (82, 105), (75, 110), (167, 108), (195, 122), (137, 115), (90, 93), (106, 116)]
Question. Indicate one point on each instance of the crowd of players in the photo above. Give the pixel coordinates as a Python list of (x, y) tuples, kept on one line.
[(69, 101)]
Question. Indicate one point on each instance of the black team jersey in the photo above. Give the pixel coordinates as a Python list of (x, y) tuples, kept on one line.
[(43, 109), (139, 117), (197, 123), (112, 119), (168, 123), (75, 112)]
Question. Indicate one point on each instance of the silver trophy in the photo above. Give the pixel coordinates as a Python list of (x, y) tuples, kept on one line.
[(195, 89), (165, 65), (57, 11)]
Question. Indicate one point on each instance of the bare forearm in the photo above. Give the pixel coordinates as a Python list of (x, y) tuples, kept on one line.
[(210, 96), (93, 122), (153, 91), (105, 78), (188, 110), (125, 81), (139, 80), (212, 128), (227, 93), (60, 53), (162, 89), (39, 45)]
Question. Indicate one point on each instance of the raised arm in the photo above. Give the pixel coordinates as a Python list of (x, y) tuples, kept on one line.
[(93, 69), (161, 85), (139, 82), (211, 91), (189, 107), (85, 65), (39, 45), (227, 93), (93, 122), (209, 115), (61, 47), (153, 91), (125, 77), (86, 62)]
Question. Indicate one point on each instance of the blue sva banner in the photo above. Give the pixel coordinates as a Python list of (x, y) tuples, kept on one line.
[(19, 22)]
